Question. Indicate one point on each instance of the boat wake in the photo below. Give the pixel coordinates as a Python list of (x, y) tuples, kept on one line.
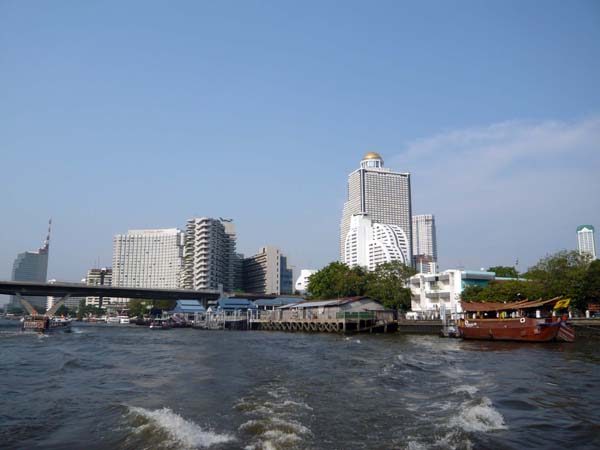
[(479, 416), (274, 424), (169, 430)]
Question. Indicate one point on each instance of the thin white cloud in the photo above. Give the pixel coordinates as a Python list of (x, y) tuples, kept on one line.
[(507, 190)]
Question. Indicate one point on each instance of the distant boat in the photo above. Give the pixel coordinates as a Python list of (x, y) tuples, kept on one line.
[(118, 319), (525, 321), (160, 324), (44, 323)]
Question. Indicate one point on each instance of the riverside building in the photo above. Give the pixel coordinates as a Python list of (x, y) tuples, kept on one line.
[(303, 279), (148, 258), (32, 266), (210, 258), (369, 244), (267, 273), (434, 294), (586, 243), (383, 195), (424, 243)]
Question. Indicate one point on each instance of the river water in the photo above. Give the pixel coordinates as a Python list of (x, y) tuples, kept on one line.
[(128, 387)]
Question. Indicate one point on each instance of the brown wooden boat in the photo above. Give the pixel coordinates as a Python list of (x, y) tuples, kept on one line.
[(527, 321)]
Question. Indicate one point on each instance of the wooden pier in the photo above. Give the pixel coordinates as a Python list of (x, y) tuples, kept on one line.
[(350, 322)]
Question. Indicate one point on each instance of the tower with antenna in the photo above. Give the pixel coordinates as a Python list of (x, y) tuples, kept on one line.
[(33, 266)]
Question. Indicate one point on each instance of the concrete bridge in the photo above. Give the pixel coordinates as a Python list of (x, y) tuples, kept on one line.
[(34, 289)]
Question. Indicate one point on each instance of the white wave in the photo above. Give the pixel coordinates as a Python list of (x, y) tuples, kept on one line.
[(468, 388), (263, 426), (481, 416), (184, 432), (299, 404)]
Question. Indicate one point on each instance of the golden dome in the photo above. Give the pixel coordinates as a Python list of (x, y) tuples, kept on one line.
[(372, 155)]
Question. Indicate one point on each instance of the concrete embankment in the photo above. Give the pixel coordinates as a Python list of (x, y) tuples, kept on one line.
[(586, 328), (420, 326)]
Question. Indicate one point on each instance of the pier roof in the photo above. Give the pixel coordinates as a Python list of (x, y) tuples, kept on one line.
[(492, 306), (188, 307), (279, 301), (324, 303)]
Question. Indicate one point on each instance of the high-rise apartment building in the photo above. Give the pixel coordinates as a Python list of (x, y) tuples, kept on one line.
[(369, 244), (424, 243), (33, 266), (148, 258), (383, 195), (586, 243), (210, 258), (267, 273), (102, 277)]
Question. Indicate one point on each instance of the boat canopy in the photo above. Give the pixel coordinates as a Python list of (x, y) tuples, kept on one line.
[(492, 306)]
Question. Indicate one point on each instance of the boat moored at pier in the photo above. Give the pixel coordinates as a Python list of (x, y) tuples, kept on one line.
[(526, 321)]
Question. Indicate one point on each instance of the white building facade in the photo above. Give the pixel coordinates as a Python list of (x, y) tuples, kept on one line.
[(369, 244), (148, 258), (436, 294), (210, 258), (586, 242), (424, 243), (383, 195), (302, 281)]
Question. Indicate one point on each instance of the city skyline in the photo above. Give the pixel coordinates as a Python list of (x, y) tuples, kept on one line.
[(242, 113)]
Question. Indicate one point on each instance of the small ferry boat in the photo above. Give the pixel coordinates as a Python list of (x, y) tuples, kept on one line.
[(526, 321), (44, 323), (121, 319)]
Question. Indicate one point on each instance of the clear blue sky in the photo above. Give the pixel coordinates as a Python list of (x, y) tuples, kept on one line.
[(142, 114)]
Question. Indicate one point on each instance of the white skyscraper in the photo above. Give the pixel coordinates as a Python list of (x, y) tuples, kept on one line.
[(148, 258), (382, 194), (586, 243), (424, 243), (210, 258), (369, 244), (303, 280)]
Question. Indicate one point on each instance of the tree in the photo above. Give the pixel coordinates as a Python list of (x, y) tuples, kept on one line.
[(141, 307), (504, 271), (560, 274), (503, 291), (472, 293), (88, 310), (387, 283), (590, 286), (337, 280)]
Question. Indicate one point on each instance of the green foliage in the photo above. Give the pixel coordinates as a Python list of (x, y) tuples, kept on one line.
[(337, 280), (504, 271), (386, 283), (590, 286), (142, 307), (503, 291), (560, 274), (566, 273), (88, 310), (472, 294)]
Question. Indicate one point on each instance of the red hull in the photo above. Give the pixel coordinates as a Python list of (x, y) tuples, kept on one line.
[(524, 329)]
